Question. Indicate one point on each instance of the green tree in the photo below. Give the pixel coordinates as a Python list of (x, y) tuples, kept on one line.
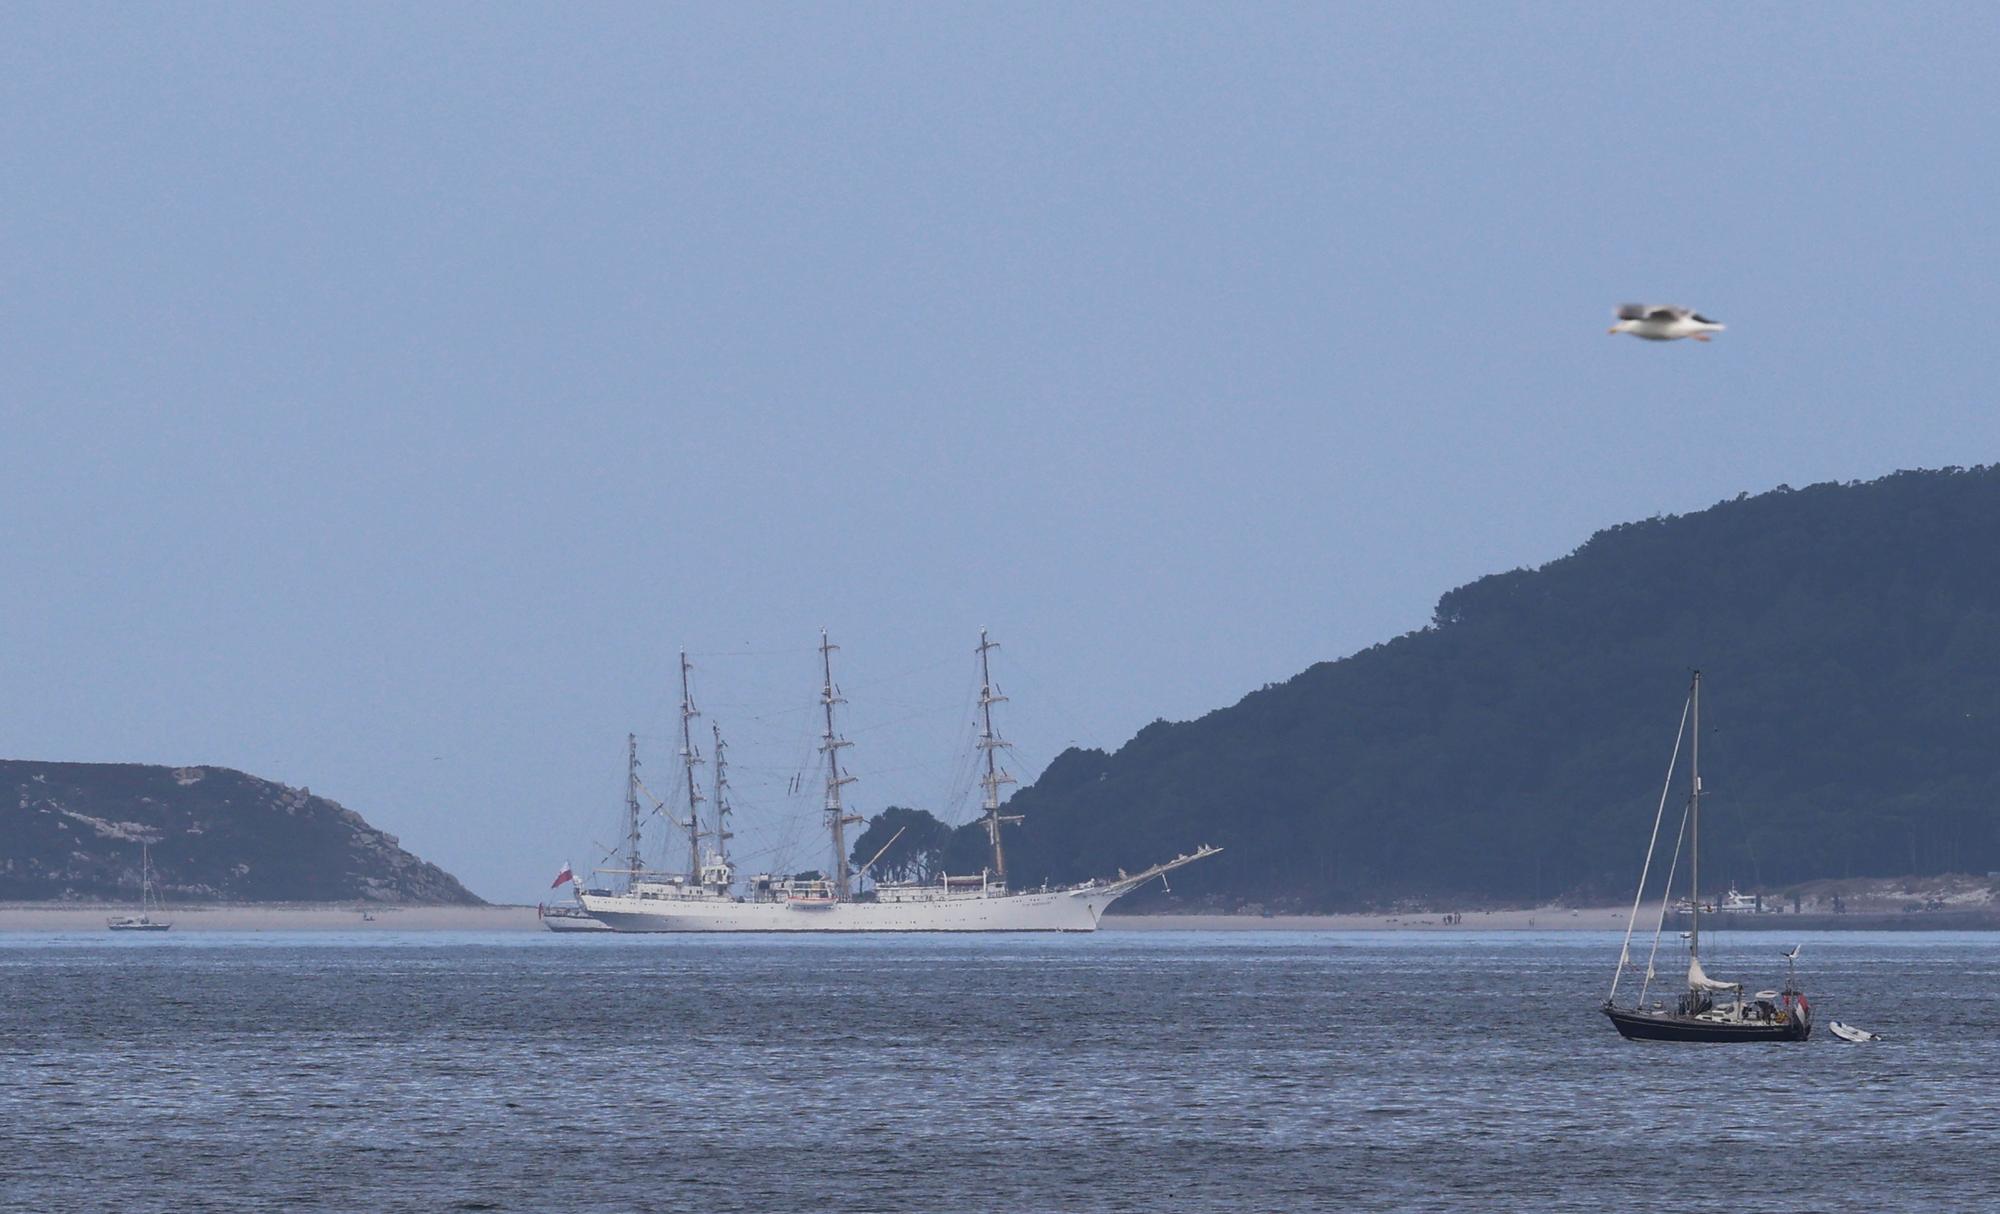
[(915, 855)]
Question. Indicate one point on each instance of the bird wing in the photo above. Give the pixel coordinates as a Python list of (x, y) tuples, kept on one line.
[(1652, 312), (1703, 319)]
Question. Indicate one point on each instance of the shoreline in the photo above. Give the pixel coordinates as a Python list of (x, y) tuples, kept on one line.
[(1538, 919), (272, 917), (44, 918)]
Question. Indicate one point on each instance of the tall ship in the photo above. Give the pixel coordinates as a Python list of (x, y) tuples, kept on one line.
[(1707, 1009), (709, 896)]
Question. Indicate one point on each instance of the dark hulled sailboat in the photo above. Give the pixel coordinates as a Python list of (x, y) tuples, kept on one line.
[(1709, 1009)]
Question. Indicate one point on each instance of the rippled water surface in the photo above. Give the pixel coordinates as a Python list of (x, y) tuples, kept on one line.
[(1120, 1071)]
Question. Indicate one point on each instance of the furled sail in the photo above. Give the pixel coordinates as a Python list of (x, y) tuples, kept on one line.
[(1699, 981)]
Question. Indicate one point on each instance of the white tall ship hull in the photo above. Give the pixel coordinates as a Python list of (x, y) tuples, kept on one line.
[(1075, 910), (895, 908)]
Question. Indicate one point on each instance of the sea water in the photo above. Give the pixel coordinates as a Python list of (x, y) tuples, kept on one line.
[(1118, 1071)]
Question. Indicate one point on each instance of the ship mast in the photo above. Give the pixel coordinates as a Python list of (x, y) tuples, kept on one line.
[(690, 759), (722, 832), (1694, 828), (632, 865), (837, 816), (991, 744)]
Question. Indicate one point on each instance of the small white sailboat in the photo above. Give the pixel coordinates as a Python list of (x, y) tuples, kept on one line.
[(148, 903)]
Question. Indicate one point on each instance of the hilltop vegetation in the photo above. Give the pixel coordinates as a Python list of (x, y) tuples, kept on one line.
[(74, 830), (1513, 750)]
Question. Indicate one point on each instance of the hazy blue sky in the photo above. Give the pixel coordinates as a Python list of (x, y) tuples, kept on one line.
[(387, 392)]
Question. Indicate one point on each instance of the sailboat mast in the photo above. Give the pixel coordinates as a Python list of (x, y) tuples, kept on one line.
[(690, 759), (632, 865), (1694, 827), (722, 831), (830, 744), (991, 743)]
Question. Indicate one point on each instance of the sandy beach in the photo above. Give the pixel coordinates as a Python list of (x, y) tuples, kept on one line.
[(1539, 919), (273, 917), (324, 917), (346, 917)]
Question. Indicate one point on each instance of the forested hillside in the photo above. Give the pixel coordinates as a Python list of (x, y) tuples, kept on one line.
[(1513, 749)]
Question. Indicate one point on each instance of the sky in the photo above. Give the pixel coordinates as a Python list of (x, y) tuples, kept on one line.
[(389, 393)]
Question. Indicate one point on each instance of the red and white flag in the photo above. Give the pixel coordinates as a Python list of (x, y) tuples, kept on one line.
[(563, 876)]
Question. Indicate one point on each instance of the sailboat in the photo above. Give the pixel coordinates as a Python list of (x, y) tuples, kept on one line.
[(1709, 1009), (148, 903), (704, 899)]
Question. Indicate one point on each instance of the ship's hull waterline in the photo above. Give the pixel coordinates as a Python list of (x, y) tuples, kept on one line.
[(1033, 911), (1660, 1026), (572, 923)]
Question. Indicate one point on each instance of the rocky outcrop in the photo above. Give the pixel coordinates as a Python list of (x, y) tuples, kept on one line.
[(74, 830)]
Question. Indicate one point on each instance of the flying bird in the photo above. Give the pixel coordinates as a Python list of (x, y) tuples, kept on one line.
[(1663, 322)]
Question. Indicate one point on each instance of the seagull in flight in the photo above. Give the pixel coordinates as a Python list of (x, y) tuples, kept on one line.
[(1663, 322)]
